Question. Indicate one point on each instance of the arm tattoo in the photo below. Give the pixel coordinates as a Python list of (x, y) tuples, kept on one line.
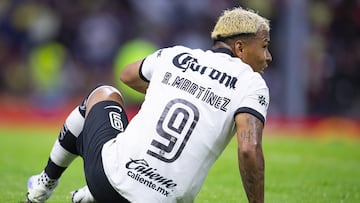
[(254, 130), (251, 160), (246, 135)]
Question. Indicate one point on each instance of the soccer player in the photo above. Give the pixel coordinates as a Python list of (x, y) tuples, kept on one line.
[(195, 102)]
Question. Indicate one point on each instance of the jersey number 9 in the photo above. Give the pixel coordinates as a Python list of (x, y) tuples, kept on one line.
[(174, 128)]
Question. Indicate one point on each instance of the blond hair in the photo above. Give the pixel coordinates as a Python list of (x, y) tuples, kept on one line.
[(239, 21)]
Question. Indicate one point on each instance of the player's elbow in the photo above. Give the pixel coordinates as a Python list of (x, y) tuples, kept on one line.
[(126, 76), (250, 150), (130, 74)]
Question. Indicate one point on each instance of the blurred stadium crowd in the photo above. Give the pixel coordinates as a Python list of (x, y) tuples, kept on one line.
[(51, 51)]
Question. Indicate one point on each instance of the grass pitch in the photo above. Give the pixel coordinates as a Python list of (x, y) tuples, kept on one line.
[(298, 169)]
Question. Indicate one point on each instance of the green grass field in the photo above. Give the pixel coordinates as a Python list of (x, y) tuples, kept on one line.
[(298, 169)]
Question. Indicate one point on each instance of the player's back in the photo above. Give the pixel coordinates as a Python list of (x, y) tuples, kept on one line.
[(184, 124)]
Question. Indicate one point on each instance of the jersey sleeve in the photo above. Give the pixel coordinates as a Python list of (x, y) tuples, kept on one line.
[(149, 64), (257, 99)]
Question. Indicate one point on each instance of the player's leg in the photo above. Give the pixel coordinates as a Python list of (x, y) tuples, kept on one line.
[(105, 119), (62, 154)]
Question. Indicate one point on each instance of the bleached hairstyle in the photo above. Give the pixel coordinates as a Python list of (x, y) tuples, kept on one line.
[(239, 21)]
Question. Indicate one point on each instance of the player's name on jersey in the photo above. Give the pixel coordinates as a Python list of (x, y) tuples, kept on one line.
[(202, 93)]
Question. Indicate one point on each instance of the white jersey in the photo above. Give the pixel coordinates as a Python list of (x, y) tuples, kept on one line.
[(184, 124)]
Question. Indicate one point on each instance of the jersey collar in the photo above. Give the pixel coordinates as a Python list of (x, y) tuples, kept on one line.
[(223, 50)]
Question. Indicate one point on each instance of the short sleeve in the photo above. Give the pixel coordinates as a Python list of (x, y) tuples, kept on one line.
[(256, 101), (149, 64)]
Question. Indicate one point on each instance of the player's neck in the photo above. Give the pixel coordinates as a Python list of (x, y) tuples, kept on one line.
[(223, 46)]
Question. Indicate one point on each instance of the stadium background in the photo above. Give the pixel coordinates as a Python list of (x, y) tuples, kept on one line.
[(52, 52)]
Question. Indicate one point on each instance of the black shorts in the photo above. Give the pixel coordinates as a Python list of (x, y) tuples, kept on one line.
[(105, 120)]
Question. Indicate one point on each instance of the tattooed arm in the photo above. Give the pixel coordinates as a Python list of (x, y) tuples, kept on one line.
[(250, 155)]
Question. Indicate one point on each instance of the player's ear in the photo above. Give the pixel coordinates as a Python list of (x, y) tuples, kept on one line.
[(239, 46)]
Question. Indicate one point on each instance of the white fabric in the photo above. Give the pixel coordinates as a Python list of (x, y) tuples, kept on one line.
[(82, 195), (61, 156), (185, 122), (75, 122)]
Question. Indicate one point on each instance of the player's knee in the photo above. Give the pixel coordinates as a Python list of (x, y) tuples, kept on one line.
[(103, 93)]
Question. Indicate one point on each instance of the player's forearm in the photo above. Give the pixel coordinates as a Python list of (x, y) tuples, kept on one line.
[(252, 169)]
